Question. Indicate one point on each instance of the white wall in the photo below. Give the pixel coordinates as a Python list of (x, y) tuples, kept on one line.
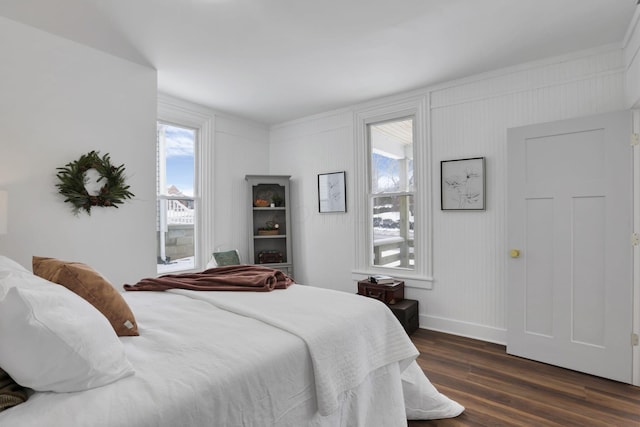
[(467, 118), (471, 119), (59, 100), (241, 148), (322, 243)]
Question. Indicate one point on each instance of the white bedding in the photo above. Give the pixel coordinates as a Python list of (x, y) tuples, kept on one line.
[(348, 336), (197, 364)]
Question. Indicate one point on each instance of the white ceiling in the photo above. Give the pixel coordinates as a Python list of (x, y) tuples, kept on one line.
[(278, 60)]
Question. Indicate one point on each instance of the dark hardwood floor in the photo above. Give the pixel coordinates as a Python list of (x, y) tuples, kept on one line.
[(502, 390)]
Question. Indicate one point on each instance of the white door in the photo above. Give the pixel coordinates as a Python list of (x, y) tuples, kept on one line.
[(569, 298)]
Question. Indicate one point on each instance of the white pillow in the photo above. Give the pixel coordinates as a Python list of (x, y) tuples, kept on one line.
[(12, 275), (53, 340), (7, 264), (9, 267)]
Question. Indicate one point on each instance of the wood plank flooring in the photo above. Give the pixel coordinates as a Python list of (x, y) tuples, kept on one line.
[(498, 389)]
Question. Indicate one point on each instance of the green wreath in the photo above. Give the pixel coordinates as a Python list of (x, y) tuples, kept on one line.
[(73, 179)]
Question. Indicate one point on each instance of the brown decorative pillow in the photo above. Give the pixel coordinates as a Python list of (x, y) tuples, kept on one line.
[(90, 285), (11, 393)]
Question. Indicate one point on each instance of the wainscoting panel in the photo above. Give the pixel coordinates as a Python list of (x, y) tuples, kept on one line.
[(470, 119)]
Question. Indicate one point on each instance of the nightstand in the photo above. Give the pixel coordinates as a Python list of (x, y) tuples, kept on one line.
[(406, 311)]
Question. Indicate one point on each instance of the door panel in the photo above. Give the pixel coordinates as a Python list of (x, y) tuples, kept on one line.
[(539, 274), (569, 299), (588, 270)]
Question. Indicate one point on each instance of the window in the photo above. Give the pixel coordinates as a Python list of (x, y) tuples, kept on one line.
[(392, 193), (197, 123), (392, 184), (176, 204)]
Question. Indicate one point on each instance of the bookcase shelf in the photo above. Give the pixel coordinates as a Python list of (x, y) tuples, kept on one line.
[(270, 250)]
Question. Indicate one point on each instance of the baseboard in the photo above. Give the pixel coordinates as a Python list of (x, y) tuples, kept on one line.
[(465, 329)]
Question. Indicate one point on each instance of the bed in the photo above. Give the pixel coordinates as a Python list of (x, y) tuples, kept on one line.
[(300, 356)]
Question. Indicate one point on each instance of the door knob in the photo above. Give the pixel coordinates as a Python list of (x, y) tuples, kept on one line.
[(514, 253)]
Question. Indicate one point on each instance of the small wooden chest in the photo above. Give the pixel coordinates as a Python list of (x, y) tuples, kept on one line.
[(270, 257), (388, 294), (407, 313)]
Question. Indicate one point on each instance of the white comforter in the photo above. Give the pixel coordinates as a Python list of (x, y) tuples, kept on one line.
[(216, 359), (348, 336)]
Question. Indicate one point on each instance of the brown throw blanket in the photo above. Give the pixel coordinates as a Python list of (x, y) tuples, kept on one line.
[(11, 394), (230, 278)]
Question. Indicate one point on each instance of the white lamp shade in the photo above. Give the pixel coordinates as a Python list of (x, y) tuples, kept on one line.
[(4, 211)]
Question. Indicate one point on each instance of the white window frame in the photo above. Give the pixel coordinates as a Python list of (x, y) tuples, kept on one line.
[(181, 113), (421, 275)]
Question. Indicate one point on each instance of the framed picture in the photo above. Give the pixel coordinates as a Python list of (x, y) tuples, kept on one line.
[(332, 193), (462, 184)]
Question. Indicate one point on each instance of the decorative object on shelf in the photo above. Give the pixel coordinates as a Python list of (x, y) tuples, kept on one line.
[(270, 257), (277, 200), (73, 183), (463, 184), (263, 198), (271, 228), (332, 196)]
